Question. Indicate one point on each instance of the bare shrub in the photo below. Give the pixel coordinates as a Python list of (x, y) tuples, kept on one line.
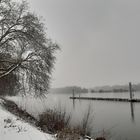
[(86, 125), (100, 138), (54, 120), (69, 133), (58, 121)]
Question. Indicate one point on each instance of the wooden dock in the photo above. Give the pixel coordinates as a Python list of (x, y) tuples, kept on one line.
[(106, 99)]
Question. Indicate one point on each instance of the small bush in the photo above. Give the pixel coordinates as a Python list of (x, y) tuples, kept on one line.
[(69, 134), (53, 120), (100, 138), (86, 125), (59, 122)]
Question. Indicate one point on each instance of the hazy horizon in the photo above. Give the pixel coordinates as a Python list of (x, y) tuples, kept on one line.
[(99, 40), (98, 86)]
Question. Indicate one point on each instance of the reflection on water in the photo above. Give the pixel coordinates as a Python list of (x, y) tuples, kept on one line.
[(73, 103), (132, 111), (132, 105)]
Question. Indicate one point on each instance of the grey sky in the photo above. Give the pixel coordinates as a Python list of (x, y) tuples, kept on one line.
[(99, 40)]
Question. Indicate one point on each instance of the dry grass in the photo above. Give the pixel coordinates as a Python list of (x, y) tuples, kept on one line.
[(54, 120), (59, 122), (86, 126)]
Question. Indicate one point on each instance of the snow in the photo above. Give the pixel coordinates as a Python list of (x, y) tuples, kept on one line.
[(1, 101), (14, 128)]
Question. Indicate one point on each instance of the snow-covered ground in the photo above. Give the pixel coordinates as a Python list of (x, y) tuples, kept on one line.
[(13, 128)]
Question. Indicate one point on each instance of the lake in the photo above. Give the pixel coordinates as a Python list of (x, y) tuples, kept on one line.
[(116, 120)]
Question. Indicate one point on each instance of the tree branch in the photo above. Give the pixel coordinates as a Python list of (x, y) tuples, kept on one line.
[(8, 61), (9, 71)]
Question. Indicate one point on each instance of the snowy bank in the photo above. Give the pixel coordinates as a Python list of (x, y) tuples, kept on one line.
[(14, 128), (14, 123)]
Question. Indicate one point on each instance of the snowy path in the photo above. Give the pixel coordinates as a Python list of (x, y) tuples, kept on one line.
[(12, 128)]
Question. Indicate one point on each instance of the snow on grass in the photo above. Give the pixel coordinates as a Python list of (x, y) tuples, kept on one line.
[(1, 101), (15, 129)]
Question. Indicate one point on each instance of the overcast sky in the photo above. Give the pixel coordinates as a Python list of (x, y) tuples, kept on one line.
[(99, 40)]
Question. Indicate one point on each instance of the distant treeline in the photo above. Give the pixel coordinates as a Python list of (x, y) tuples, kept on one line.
[(101, 89), (69, 90), (115, 88), (107, 91)]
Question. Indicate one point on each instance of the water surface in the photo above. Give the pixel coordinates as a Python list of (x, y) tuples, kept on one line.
[(117, 120)]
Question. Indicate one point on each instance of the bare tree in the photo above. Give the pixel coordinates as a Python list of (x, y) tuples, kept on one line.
[(24, 48)]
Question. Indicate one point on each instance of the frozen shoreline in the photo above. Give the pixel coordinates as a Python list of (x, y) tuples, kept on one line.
[(19, 117), (11, 127)]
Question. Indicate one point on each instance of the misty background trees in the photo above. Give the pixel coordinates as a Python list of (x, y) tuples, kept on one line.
[(27, 56)]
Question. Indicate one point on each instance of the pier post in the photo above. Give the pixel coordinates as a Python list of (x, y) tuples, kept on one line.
[(73, 99), (130, 90), (73, 93)]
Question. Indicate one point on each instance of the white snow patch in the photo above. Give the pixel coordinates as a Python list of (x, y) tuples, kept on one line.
[(15, 129), (1, 101)]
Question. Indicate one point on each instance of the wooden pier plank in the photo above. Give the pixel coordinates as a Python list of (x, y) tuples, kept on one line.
[(107, 99)]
